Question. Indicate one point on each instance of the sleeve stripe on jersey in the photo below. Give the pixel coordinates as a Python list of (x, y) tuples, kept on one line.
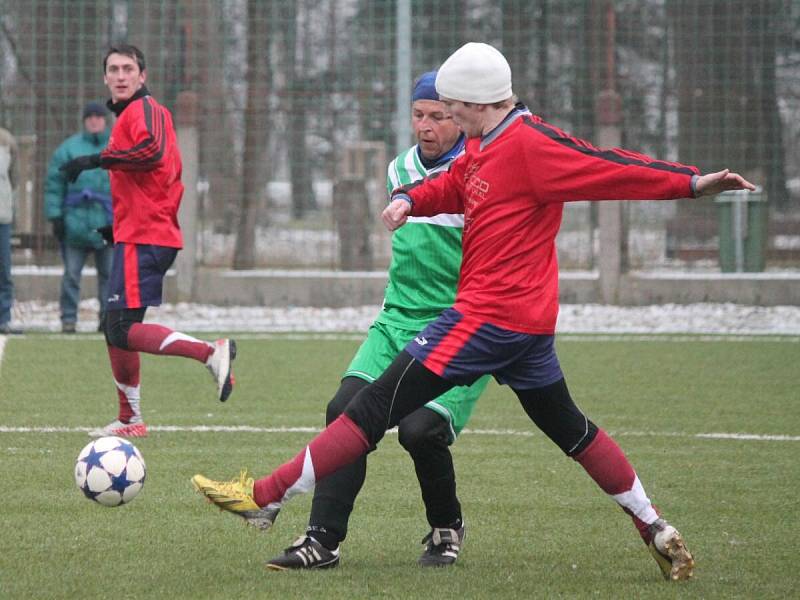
[(392, 177), (616, 155), (150, 151), (142, 148), (156, 135), (410, 186)]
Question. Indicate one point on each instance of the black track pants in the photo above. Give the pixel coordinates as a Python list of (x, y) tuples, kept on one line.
[(552, 409), (423, 433), (403, 387)]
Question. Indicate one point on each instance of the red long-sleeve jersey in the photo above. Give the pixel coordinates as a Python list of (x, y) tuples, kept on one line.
[(144, 165), (511, 185)]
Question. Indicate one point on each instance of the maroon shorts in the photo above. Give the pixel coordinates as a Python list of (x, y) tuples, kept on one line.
[(137, 275), (460, 349)]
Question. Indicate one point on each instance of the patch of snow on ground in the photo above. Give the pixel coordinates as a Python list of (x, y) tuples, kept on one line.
[(573, 318)]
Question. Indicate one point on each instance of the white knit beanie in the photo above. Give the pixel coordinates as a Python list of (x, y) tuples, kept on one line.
[(476, 73)]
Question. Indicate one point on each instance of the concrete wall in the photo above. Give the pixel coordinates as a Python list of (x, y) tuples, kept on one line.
[(357, 288), (758, 289)]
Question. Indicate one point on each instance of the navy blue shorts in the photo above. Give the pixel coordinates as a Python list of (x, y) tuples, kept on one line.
[(137, 275), (460, 349)]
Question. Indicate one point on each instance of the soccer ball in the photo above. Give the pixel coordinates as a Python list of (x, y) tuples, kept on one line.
[(110, 471)]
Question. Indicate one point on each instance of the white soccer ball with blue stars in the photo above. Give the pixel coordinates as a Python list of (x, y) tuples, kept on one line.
[(110, 471)]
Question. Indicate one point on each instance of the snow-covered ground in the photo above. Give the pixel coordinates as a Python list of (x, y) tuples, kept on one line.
[(574, 318)]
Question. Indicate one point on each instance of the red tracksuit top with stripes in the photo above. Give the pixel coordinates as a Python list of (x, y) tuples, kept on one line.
[(144, 165), (511, 185)]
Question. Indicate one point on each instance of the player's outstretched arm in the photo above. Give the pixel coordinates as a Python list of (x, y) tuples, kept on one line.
[(396, 214), (721, 181), (73, 168)]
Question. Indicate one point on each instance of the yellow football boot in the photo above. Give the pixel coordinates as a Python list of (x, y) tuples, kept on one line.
[(236, 496)]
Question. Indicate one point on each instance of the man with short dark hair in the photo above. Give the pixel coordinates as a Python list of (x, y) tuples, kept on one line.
[(145, 167), (77, 210)]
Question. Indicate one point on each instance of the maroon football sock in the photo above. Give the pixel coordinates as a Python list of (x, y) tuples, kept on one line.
[(125, 367), (339, 444), (607, 464), (157, 339)]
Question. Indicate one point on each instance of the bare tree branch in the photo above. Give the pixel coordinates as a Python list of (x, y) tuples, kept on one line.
[(13, 44)]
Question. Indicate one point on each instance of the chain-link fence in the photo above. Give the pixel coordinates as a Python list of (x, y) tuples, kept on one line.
[(299, 106)]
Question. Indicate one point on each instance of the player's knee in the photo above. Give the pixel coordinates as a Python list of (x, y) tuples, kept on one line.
[(117, 325), (334, 409), (422, 430), (369, 410), (575, 448), (349, 387), (117, 333), (553, 411)]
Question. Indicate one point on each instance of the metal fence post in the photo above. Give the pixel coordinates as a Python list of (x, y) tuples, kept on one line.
[(610, 218), (186, 118), (609, 214), (403, 77)]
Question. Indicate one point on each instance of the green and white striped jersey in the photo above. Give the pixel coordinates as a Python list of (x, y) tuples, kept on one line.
[(426, 255)]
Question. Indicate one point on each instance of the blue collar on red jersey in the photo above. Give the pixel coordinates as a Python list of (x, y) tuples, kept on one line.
[(519, 110)]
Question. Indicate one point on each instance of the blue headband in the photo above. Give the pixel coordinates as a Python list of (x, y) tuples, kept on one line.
[(425, 87)]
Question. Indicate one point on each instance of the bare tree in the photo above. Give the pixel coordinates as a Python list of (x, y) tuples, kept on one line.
[(254, 173), (204, 63), (522, 28), (299, 86), (153, 27), (727, 103)]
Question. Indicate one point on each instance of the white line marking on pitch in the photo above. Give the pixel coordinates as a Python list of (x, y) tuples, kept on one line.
[(562, 337), (498, 432), (2, 348)]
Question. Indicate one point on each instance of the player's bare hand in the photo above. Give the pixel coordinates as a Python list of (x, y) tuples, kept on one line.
[(721, 181), (396, 214)]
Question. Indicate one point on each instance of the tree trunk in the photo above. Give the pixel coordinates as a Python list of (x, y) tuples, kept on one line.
[(298, 88), (774, 156), (204, 62), (589, 79), (590, 73), (256, 133), (727, 107), (517, 43), (153, 28)]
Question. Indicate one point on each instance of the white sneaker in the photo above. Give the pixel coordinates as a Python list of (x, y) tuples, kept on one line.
[(670, 552), (118, 428), (219, 365)]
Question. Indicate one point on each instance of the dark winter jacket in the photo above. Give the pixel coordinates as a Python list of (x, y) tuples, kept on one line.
[(85, 204)]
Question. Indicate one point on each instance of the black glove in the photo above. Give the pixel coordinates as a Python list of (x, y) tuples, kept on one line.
[(74, 167), (58, 228), (107, 233)]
